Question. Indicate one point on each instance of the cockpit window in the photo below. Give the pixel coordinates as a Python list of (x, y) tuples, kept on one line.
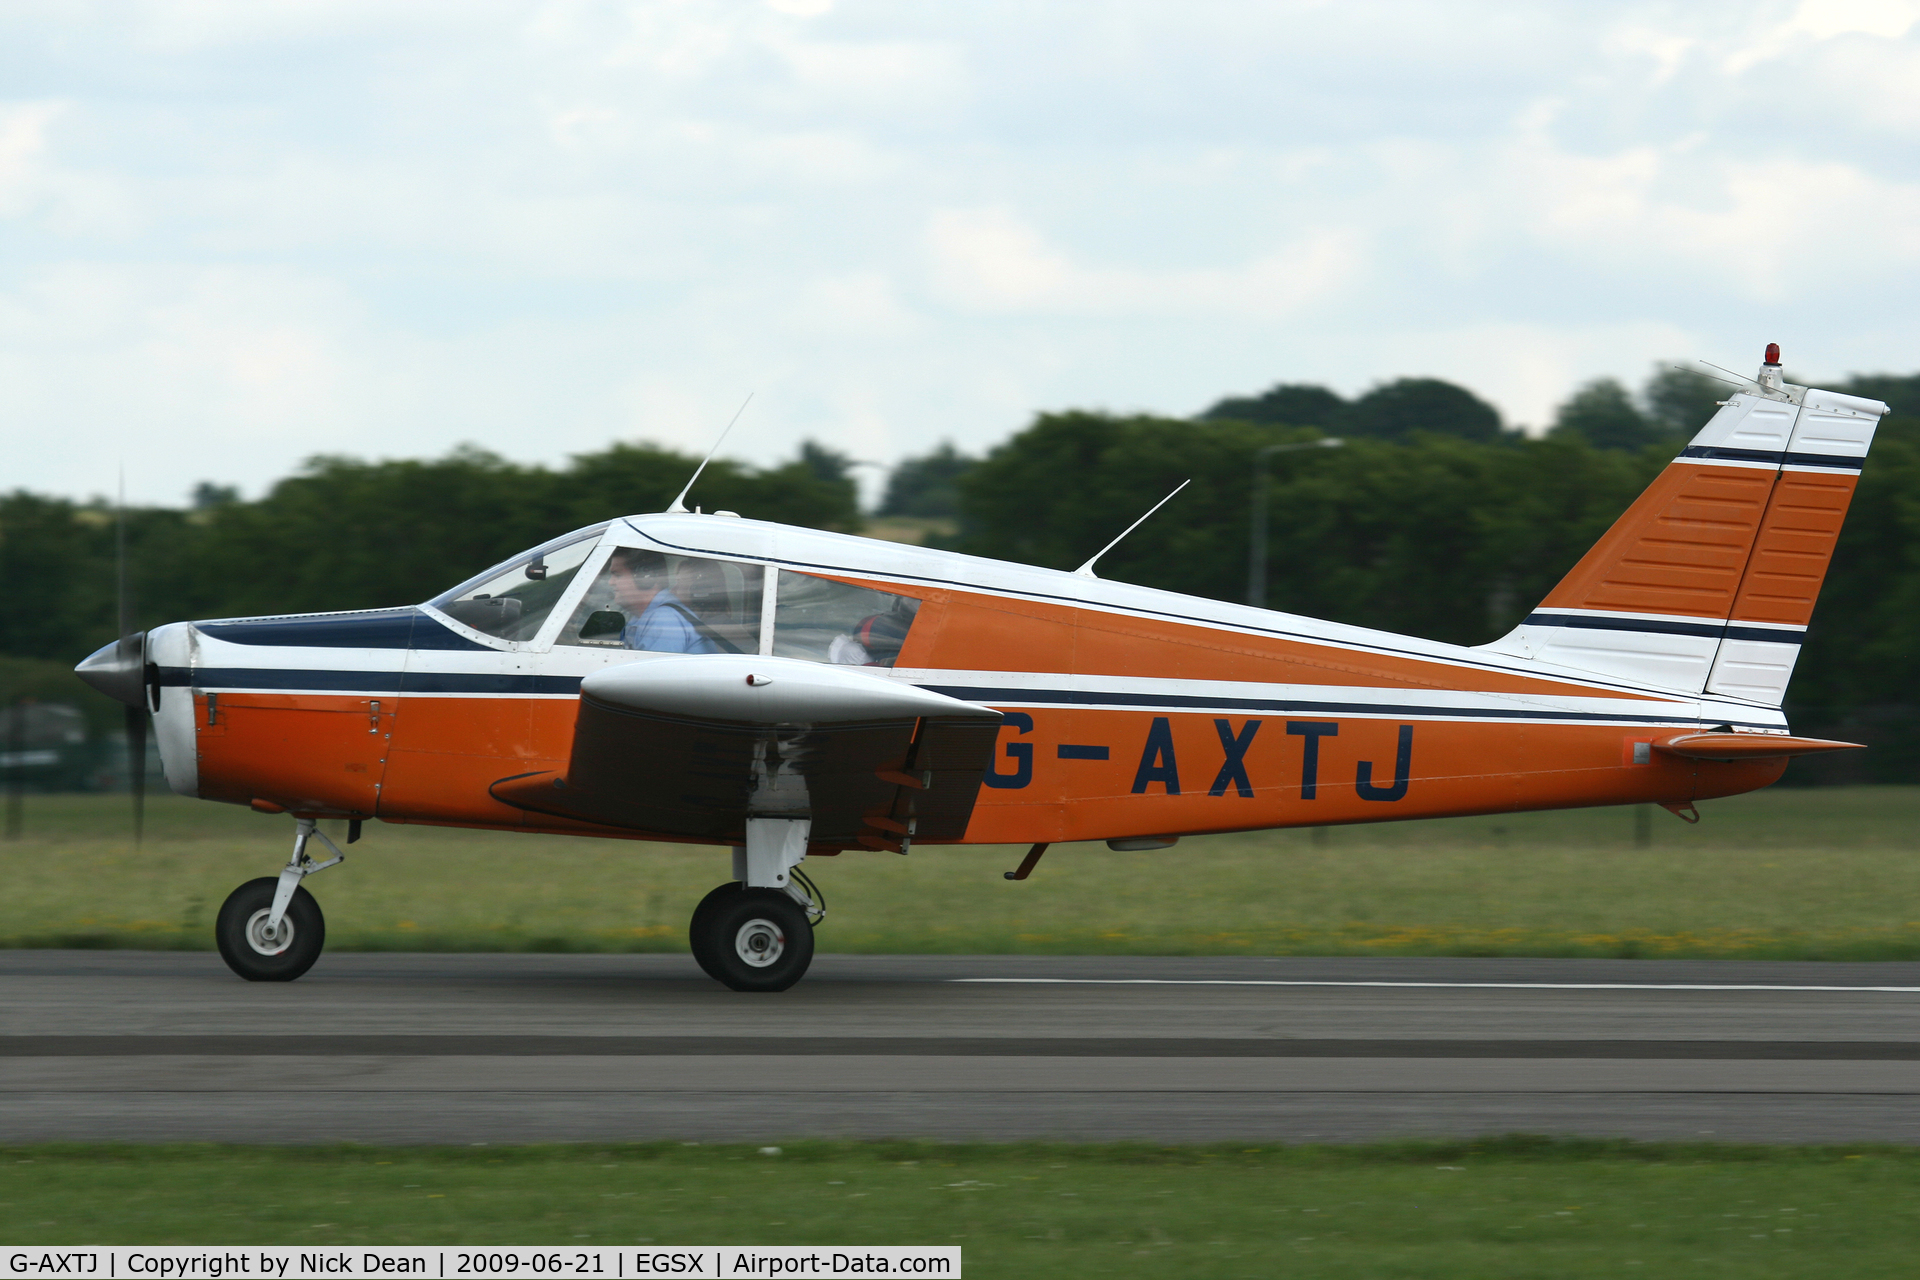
[(669, 604), (514, 601), (832, 622)]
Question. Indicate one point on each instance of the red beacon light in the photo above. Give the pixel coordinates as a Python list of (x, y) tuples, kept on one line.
[(1769, 378)]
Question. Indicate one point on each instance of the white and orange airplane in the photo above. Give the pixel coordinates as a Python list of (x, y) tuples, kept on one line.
[(796, 694)]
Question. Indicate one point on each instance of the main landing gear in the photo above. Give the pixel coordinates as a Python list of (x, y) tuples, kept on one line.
[(271, 929), (756, 934)]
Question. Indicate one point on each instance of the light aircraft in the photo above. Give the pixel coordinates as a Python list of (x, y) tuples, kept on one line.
[(793, 694)]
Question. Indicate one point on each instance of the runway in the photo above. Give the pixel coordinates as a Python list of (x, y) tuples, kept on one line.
[(168, 1046)]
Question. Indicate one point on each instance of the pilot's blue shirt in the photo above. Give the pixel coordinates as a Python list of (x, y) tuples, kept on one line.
[(663, 628)]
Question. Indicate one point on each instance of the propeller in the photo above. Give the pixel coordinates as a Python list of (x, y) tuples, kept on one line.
[(120, 670)]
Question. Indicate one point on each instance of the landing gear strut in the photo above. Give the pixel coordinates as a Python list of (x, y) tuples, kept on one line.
[(271, 929), (756, 934)]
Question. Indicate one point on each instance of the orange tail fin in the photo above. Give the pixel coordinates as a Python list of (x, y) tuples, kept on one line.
[(1707, 583)]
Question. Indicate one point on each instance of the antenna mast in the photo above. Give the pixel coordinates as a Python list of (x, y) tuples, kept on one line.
[(680, 503), (1086, 570)]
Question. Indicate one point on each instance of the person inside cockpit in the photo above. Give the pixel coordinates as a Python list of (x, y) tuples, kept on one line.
[(874, 641), (657, 619)]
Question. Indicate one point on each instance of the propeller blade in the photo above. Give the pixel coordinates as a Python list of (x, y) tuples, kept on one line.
[(130, 665), (137, 767), (122, 598)]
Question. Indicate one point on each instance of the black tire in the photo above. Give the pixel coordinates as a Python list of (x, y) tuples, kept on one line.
[(700, 936), (753, 939), (242, 914)]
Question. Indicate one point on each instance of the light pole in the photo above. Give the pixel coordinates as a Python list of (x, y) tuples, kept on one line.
[(1257, 531)]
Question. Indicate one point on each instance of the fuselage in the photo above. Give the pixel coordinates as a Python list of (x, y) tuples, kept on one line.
[(1128, 712)]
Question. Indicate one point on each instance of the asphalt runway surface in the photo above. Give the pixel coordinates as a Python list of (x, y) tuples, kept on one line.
[(411, 1048)]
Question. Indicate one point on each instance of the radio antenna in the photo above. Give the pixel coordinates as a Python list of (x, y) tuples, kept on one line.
[(1086, 570), (680, 503), (1743, 380)]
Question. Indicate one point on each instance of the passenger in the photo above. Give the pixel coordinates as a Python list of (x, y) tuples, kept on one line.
[(874, 642), (657, 620)]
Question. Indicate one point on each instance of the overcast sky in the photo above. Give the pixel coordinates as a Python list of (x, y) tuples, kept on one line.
[(235, 233)]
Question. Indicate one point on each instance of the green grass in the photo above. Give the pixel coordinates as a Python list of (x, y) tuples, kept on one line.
[(1503, 1207), (1784, 874)]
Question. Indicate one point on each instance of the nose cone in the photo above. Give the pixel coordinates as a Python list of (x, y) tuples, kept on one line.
[(119, 669)]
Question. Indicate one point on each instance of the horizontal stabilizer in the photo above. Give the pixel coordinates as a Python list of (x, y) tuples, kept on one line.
[(1748, 746)]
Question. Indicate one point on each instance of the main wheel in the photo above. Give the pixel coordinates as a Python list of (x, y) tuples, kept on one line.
[(255, 954), (700, 935), (752, 939)]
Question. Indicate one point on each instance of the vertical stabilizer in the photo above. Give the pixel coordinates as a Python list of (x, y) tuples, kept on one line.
[(1708, 581)]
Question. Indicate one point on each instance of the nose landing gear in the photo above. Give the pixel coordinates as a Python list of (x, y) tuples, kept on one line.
[(271, 929)]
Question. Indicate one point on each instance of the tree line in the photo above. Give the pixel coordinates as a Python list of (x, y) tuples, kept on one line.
[(343, 533), (1434, 519)]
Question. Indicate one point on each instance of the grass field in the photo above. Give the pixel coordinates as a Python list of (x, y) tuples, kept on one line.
[(1495, 1208), (1804, 873)]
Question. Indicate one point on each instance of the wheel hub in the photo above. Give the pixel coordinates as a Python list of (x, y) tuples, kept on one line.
[(264, 941), (759, 942)]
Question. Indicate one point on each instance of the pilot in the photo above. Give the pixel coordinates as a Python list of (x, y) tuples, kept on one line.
[(657, 619)]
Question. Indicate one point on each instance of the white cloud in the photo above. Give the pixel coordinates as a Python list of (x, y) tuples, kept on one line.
[(1816, 20), (23, 138), (989, 260), (239, 234)]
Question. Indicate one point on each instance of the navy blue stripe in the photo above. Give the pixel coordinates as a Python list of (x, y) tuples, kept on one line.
[(1774, 456), (266, 678), (1824, 460), (1765, 633), (440, 682), (263, 678), (1654, 626), (1287, 706), (405, 628), (1076, 751), (1733, 455)]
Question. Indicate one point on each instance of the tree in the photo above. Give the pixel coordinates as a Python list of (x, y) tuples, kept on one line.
[(1419, 536), (345, 533), (1900, 392), (927, 486), (208, 494), (1681, 400), (1291, 404), (1395, 410), (828, 465), (1603, 414)]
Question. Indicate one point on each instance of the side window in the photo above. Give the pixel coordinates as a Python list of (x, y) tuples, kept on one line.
[(514, 602), (669, 604), (833, 622)]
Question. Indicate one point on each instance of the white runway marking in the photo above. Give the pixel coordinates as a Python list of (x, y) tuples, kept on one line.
[(1505, 986)]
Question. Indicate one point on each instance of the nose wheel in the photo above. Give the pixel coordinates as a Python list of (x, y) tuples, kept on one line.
[(751, 939), (260, 951), (271, 929)]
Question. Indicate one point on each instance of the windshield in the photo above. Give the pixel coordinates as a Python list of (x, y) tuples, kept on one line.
[(511, 601)]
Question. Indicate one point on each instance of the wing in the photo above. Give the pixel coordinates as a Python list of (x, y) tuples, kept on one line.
[(692, 744)]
